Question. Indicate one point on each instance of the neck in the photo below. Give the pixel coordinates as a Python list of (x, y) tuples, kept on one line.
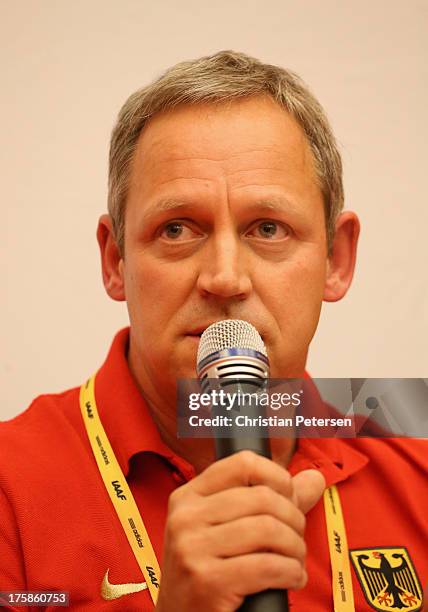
[(199, 452)]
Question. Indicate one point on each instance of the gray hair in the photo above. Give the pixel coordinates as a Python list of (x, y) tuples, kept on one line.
[(223, 77)]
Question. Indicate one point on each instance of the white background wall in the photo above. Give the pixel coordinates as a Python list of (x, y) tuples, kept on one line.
[(67, 67)]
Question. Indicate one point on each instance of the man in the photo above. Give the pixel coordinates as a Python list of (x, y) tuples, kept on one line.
[(225, 202)]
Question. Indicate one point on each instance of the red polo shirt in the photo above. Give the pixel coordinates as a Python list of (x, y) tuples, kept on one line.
[(59, 531)]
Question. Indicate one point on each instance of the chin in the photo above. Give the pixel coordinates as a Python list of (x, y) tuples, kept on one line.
[(185, 367), (288, 368)]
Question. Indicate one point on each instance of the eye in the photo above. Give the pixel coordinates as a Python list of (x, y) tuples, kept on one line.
[(269, 230), (177, 230), (173, 230)]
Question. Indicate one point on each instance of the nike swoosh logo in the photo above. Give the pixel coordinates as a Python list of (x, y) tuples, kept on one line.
[(114, 591)]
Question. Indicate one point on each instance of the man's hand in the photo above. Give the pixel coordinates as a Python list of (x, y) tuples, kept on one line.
[(235, 529)]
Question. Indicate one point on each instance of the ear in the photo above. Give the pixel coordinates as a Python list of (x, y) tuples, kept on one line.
[(341, 262), (111, 260)]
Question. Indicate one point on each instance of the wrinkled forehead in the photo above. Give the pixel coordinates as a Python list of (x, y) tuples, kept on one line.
[(238, 137), (246, 159)]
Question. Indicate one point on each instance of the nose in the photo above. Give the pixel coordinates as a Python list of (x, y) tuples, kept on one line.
[(224, 270)]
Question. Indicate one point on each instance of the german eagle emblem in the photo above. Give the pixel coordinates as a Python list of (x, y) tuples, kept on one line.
[(388, 578)]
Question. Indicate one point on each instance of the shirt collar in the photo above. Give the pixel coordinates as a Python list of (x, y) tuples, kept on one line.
[(131, 429), (125, 414), (335, 458)]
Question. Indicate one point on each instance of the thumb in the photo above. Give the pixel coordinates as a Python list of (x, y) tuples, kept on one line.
[(308, 486)]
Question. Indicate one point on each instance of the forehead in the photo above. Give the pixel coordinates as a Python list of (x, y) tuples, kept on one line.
[(239, 144)]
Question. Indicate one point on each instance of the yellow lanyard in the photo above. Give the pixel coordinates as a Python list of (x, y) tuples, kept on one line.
[(343, 597), (119, 491), (138, 538)]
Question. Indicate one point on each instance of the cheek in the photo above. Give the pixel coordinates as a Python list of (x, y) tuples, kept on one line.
[(154, 290), (308, 287), (293, 294)]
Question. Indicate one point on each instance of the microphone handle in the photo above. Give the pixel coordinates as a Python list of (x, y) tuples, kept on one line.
[(272, 600)]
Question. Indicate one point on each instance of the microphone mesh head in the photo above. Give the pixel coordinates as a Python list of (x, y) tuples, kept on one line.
[(230, 333)]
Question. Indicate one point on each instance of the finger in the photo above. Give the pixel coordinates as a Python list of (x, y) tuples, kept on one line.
[(308, 486), (238, 502), (257, 572), (254, 534), (242, 469)]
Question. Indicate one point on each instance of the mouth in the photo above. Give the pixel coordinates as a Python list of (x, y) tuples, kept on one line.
[(195, 337), (197, 332)]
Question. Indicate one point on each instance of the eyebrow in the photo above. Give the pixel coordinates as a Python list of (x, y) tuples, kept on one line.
[(274, 203), (165, 205), (279, 204)]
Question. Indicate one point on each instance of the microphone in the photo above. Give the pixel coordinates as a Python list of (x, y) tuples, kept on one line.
[(232, 355)]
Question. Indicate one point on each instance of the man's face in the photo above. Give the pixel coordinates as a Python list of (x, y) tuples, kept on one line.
[(224, 219)]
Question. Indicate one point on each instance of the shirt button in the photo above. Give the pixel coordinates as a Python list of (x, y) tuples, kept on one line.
[(178, 477)]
